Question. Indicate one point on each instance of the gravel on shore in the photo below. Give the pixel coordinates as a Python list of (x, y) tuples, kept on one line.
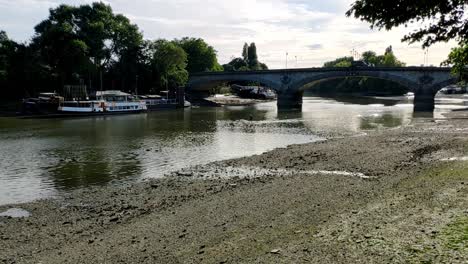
[(393, 196)]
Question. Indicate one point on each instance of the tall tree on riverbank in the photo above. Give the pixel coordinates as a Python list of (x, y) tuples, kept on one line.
[(169, 63), (74, 44), (5, 51), (248, 62), (201, 56), (77, 40), (21, 72), (253, 57), (245, 52), (441, 20)]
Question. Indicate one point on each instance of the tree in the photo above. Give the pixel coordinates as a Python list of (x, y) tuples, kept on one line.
[(245, 52), (364, 85), (340, 62), (445, 19), (21, 72), (371, 58), (236, 64), (253, 57), (390, 60), (458, 57), (248, 61), (73, 39), (389, 50), (169, 62), (5, 50), (201, 56)]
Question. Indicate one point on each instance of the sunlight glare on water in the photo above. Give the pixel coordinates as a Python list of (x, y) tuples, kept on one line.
[(43, 158)]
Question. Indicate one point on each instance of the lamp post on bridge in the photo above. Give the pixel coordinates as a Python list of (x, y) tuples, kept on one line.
[(426, 57)]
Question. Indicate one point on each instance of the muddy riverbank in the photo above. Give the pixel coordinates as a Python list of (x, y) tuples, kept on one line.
[(393, 196), (232, 100)]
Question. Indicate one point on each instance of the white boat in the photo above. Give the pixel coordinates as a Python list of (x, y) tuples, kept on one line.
[(106, 102), (82, 107), (409, 96)]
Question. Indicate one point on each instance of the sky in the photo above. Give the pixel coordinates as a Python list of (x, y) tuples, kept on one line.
[(311, 32)]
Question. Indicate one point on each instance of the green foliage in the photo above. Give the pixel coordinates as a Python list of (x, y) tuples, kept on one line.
[(370, 57), (201, 56), (364, 85), (248, 62), (20, 69), (5, 51), (253, 57), (340, 62), (263, 66), (245, 52), (440, 20), (458, 58), (75, 43), (169, 62), (445, 19), (77, 40)]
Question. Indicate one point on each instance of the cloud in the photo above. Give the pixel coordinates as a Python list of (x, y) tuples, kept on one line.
[(315, 47), (277, 27)]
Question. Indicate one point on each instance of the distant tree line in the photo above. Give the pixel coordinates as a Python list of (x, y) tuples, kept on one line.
[(248, 62), (364, 85), (89, 44)]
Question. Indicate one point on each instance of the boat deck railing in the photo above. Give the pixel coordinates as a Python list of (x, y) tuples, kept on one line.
[(161, 101)]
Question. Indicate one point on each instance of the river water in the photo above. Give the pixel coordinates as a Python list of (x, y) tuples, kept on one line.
[(44, 158)]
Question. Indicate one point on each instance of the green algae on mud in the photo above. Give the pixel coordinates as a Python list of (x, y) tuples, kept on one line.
[(448, 240), (456, 235), (453, 170)]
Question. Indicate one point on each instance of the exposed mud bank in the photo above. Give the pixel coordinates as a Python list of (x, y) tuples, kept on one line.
[(394, 196)]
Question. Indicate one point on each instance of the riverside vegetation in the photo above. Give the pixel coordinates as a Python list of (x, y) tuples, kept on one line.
[(90, 44)]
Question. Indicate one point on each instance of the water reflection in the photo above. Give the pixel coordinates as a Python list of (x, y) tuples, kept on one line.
[(389, 101), (378, 121), (46, 157), (331, 116)]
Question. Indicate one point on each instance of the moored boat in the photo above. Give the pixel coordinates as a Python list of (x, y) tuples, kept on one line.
[(409, 96), (105, 102), (157, 102), (45, 103)]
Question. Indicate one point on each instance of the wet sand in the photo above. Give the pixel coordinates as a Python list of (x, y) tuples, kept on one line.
[(394, 196)]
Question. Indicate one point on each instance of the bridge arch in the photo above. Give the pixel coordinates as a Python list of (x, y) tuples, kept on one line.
[(422, 84), (205, 84), (307, 82)]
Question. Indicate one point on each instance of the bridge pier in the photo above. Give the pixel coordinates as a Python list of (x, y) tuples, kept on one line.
[(290, 101), (424, 100)]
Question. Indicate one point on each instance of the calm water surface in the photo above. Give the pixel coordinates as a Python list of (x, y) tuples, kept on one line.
[(43, 158)]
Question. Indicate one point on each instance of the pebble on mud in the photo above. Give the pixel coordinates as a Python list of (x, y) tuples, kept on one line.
[(275, 251)]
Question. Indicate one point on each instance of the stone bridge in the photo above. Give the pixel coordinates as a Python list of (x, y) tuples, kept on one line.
[(290, 84)]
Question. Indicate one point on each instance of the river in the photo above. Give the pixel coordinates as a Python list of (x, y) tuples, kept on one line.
[(49, 157)]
